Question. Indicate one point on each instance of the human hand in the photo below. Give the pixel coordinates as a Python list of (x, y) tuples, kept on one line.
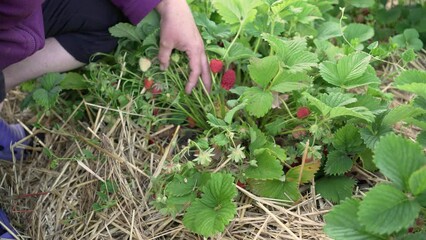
[(178, 31)]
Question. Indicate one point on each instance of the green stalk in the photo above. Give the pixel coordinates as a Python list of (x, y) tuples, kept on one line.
[(240, 29)]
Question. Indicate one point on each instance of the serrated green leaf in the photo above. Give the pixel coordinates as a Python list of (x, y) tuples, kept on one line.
[(347, 139), (398, 158), (337, 99), (275, 189), (329, 30), (268, 167), (259, 102), (421, 138), (41, 97), (417, 181), (386, 210), (220, 139), (308, 172), (51, 80), (180, 186), (408, 56), (334, 112), (358, 31), (286, 82), (349, 72), (342, 223), (125, 30), (367, 160), (401, 113), (262, 71), (174, 205), (74, 81), (371, 138), (237, 11), (275, 127), (230, 114), (293, 53), (335, 189), (208, 221), (338, 163), (412, 81), (210, 214), (215, 122)]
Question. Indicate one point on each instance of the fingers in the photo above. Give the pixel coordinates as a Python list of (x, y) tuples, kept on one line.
[(205, 73), (195, 65), (164, 54)]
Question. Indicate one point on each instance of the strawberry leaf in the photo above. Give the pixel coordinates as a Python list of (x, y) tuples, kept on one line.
[(335, 189), (417, 181), (262, 71), (348, 140), (286, 82), (398, 158), (386, 210), (259, 102), (293, 53), (268, 167), (210, 214), (342, 223), (338, 163), (349, 72), (308, 172), (412, 81), (275, 189), (237, 11)]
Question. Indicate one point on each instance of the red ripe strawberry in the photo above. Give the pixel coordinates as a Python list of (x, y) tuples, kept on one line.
[(241, 185), (191, 122), (228, 79), (303, 112), (148, 82), (156, 89), (216, 65)]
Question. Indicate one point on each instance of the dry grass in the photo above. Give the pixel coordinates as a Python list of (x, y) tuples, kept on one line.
[(56, 203)]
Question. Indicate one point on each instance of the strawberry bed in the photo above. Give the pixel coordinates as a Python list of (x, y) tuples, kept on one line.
[(314, 129)]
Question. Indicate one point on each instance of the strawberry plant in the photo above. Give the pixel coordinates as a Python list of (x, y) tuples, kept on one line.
[(295, 100)]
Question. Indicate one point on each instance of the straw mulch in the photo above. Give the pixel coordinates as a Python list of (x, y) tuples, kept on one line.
[(56, 203)]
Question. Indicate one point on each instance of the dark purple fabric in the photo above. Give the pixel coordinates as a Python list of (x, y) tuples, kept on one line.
[(22, 37), (135, 10), (12, 12)]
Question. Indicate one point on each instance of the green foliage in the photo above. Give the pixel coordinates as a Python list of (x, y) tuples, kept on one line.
[(268, 167), (341, 223), (413, 81), (398, 159), (387, 209), (210, 214), (349, 72), (409, 39), (335, 189)]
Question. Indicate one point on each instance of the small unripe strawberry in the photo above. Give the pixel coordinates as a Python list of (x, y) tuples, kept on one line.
[(228, 79), (298, 132), (148, 82), (216, 65), (144, 64), (303, 112)]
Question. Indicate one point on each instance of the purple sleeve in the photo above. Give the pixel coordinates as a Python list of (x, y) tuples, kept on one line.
[(21, 30), (136, 10), (13, 12)]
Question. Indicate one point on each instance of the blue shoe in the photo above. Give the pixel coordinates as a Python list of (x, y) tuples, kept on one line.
[(4, 234), (9, 135)]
